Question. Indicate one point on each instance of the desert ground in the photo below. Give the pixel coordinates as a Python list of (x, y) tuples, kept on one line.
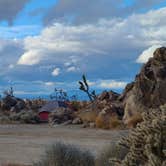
[(26, 143)]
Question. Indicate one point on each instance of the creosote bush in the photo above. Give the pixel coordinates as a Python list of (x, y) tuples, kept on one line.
[(66, 155), (146, 143)]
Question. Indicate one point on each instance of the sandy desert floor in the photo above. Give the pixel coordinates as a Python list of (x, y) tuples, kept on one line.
[(26, 143)]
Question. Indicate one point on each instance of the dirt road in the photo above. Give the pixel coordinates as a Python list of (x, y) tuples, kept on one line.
[(26, 143)]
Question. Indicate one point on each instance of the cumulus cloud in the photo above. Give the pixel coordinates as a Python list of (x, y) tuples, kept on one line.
[(10, 8), (146, 54), (56, 72), (106, 37)]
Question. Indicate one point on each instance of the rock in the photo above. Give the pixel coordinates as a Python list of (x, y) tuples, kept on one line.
[(92, 125), (85, 125), (77, 121), (20, 104), (149, 88), (67, 122), (60, 115), (13, 109), (9, 102), (111, 95)]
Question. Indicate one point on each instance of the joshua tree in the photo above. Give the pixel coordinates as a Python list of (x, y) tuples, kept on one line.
[(85, 88)]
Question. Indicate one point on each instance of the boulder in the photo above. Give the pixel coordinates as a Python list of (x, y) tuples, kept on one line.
[(12, 103), (77, 121), (60, 115), (149, 88), (111, 95)]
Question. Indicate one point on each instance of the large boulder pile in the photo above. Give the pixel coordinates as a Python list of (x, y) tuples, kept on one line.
[(149, 88), (100, 112), (12, 103)]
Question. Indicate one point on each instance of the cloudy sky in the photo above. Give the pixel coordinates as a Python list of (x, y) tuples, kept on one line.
[(47, 44)]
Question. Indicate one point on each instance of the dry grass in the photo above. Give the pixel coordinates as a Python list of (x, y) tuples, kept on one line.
[(115, 123), (88, 116), (108, 122), (102, 121)]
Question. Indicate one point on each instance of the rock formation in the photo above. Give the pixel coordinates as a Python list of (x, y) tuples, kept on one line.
[(149, 88)]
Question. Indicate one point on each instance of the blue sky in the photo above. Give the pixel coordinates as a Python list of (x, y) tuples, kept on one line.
[(47, 44)]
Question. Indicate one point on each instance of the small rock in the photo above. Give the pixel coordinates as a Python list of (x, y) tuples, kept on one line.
[(92, 125), (77, 121), (67, 122), (85, 125)]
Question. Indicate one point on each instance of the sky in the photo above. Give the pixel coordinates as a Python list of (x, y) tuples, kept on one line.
[(48, 44)]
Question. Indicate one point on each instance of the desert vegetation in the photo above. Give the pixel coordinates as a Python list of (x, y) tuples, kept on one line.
[(62, 155)]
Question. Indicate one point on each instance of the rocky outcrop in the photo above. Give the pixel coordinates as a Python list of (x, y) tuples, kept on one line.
[(149, 88), (60, 116), (12, 103)]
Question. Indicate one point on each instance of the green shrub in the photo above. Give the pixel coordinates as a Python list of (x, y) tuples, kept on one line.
[(66, 155)]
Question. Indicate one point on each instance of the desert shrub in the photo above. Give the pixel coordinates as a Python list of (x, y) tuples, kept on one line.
[(108, 122), (88, 116), (115, 123), (111, 151), (25, 117), (146, 143), (102, 121), (75, 105), (66, 155), (4, 119)]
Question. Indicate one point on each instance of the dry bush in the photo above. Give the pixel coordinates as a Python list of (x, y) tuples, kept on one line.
[(75, 105), (102, 121), (25, 117), (111, 151), (108, 122), (66, 155), (115, 123), (88, 116), (4, 120), (134, 120)]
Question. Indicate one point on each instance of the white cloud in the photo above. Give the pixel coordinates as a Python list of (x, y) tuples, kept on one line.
[(112, 84), (91, 83), (146, 54), (105, 38), (56, 72), (49, 83), (72, 69), (30, 58)]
